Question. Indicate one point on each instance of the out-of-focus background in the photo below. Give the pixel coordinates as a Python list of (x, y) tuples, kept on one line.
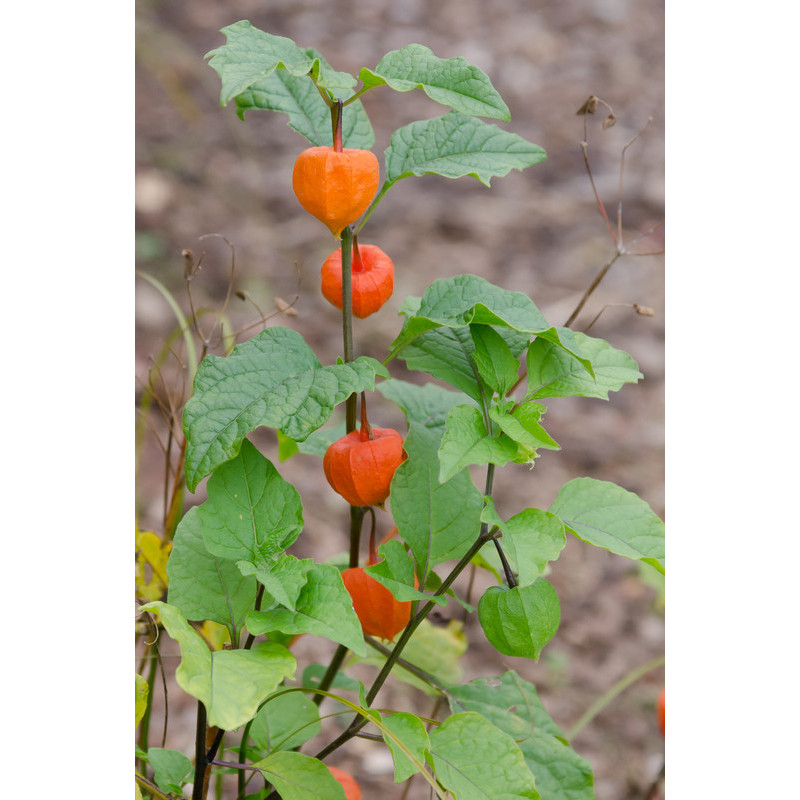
[(202, 172)]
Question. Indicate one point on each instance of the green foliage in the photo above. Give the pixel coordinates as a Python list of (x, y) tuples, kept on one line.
[(520, 621), (250, 55), (468, 441), (285, 721), (171, 767), (608, 516), (428, 405), (452, 82), (438, 520), (395, 571), (231, 684), (299, 777), (308, 113), (457, 146), (513, 705), (273, 379), (531, 539), (553, 372), (203, 585), (476, 760), (252, 514), (469, 299), (323, 608)]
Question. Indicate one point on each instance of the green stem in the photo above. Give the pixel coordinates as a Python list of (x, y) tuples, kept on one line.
[(240, 782), (360, 93), (356, 512), (374, 204), (347, 318), (356, 725), (151, 787), (617, 689), (412, 668)]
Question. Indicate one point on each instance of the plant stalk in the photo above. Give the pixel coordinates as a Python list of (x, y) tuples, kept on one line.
[(483, 537), (200, 764), (347, 318)]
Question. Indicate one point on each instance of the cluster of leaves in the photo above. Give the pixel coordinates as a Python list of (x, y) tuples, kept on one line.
[(229, 567)]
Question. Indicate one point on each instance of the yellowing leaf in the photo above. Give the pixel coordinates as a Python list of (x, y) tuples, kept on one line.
[(215, 634), (142, 691), (151, 552)]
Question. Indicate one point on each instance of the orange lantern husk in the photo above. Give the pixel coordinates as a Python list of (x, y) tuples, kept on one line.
[(361, 464), (336, 186), (372, 279)]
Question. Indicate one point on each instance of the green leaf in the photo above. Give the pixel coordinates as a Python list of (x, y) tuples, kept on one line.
[(439, 521), (170, 768), (531, 539), (455, 146), (272, 379), (410, 730), (608, 516), (231, 684), (433, 649), (299, 777), (477, 761), (250, 55), (286, 447), (203, 585), (323, 608), (449, 355), (395, 571), (554, 372), (251, 513), (496, 363), (522, 425), (469, 299), (283, 579), (452, 82), (319, 441), (466, 441), (513, 705), (522, 620), (142, 693), (427, 405), (308, 113), (288, 720)]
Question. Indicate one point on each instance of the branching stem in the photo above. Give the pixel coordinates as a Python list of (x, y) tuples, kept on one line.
[(483, 537)]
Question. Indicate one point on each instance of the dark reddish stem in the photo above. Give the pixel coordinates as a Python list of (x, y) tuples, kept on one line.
[(366, 428), (336, 114), (357, 265)]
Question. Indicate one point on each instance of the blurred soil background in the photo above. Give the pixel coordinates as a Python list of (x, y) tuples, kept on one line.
[(200, 170)]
